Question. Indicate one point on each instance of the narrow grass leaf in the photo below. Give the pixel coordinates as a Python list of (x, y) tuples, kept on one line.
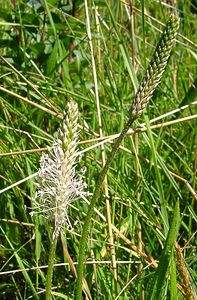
[(190, 96), (52, 60), (63, 58), (173, 275), (123, 50), (22, 267), (164, 214), (50, 18), (161, 273)]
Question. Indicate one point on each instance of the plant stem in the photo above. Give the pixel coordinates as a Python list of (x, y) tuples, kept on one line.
[(50, 267), (95, 197)]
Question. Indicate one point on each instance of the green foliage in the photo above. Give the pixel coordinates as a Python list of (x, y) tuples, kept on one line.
[(166, 258), (45, 59)]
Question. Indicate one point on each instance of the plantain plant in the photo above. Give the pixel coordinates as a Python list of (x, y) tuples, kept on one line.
[(145, 91)]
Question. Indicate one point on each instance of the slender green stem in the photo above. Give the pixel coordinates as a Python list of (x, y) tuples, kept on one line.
[(95, 197), (50, 267)]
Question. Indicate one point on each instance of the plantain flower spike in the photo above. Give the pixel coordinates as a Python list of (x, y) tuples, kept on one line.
[(156, 67), (58, 185)]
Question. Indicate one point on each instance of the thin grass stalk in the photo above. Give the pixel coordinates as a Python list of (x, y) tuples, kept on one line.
[(98, 41), (149, 83), (139, 227), (25, 99), (136, 249), (103, 160), (133, 51), (73, 268), (163, 204), (50, 103), (193, 179)]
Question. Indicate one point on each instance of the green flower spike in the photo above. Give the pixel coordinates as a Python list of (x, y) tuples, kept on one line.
[(156, 67)]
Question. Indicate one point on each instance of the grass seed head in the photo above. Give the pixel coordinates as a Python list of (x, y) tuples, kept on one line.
[(156, 67)]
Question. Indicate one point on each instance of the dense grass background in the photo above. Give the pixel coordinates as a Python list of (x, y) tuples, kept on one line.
[(45, 59)]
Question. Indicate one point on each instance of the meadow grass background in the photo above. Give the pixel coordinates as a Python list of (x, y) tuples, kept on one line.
[(150, 188)]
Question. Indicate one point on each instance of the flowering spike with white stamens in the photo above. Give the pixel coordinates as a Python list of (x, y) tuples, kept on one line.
[(58, 184)]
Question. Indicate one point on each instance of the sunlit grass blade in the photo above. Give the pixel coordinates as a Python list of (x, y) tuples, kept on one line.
[(123, 49), (22, 267), (163, 204), (159, 280)]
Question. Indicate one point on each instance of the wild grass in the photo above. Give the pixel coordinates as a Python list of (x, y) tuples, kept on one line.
[(48, 53)]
